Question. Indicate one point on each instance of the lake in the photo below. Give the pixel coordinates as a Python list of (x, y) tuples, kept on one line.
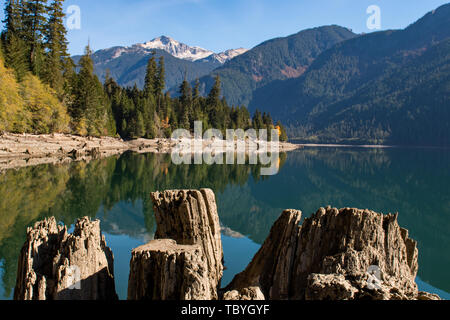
[(413, 182)]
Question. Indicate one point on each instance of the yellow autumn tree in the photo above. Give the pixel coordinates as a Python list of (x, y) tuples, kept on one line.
[(11, 103), (45, 113), (29, 106)]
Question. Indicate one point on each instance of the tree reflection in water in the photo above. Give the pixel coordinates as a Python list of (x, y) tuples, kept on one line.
[(413, 182)]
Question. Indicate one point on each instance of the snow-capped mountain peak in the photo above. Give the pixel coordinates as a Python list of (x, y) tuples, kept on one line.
[(185, 52), (229, 54), (177, 49)]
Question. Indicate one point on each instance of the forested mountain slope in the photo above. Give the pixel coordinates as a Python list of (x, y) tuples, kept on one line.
[(385, 87), (276, 59)]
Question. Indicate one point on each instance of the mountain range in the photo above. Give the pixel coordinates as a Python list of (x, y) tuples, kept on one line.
[(127, 65), (327, 84), (185, 52), (390, 87), (276, 59)]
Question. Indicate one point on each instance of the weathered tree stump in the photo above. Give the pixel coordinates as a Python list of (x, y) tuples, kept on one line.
[(164, 270), (55, 265), (334, 255), (271, 268), (188, 217)]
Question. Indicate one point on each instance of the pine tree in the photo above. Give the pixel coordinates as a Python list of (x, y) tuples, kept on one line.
[(35, 21), (140, 126), (148, 112), (213, 105), (150, 126), (257, 120), (185, 93), (56, 45), (160, 78), (267, 120), (90, 111), (14, 45), (110, 84), (13, 22), (244, 118), (160, 82), (214, 94), (70, 79), (150, 77), (185, 104), (196, 94), (123, 128)]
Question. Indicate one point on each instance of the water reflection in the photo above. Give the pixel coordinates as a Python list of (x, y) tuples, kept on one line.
[(116, 190)]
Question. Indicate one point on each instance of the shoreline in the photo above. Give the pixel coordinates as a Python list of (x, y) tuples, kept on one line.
[(370, 146), (363, 146), (24, 150)]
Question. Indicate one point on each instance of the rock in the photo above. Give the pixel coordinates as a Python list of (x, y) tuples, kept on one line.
[(231, 233), (427, 296), (335, 255), (329, 287), (251, 293), (190, 217), (164, 270), (55, 265)]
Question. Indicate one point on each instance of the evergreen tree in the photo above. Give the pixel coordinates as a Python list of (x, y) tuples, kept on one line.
[(35, 22), (214, 94), (150, 125), (197, 102), (110, 85), (213, 105), (282, 132), (150, 76), (123, 129), (185, 104), (56, 45), (160, 78), (196, 94), (69, 76), (185, 93), (14, 45), (149, 109), (140, 126), (245, 118), (267, 120), (224, 121), (12, 20), (258, 120), (160, 83), (91, 111)]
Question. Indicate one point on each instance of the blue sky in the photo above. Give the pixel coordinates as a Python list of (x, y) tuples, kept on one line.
[(223, 24)]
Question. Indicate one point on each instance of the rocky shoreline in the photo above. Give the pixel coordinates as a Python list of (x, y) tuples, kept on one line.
[(23, 150), (346, 254)]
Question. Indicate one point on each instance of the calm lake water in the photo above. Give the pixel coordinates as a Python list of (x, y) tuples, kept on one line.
[(413, 182)]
